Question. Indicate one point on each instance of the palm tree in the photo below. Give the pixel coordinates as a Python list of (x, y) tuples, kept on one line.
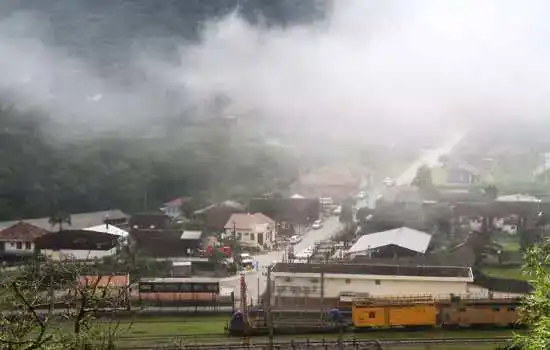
[(59, 219)]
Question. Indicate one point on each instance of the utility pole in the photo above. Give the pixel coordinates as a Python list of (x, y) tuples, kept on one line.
[(268, 308), (258, 285), (322, 292)]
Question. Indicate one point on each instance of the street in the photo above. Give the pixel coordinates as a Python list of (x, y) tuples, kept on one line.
[(256, 280)]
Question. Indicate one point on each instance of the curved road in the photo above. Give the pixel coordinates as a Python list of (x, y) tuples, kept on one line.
[(256, 280)]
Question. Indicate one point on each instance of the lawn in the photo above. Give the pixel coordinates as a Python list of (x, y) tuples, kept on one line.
[(202, 330), (199, 330), (506, 272)]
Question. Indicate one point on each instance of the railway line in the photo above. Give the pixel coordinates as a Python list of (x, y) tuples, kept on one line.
[(363, 344)]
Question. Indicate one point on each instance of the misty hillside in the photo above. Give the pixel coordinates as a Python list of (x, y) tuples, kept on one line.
[(105, 31), (44, 171)]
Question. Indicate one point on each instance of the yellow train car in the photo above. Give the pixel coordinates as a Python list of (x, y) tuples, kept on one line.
[(394, 313), (414, 315), (368, 316)]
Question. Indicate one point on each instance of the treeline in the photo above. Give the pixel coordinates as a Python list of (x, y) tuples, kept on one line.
[(41, 173)]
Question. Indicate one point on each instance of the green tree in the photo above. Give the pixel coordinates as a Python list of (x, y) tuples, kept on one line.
[(28, 297), (346, 214), (59, 219), (423, 180), (535, 310)]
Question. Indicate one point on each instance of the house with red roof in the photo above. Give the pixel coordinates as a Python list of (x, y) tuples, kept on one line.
[(19, 238), (252, 230), (173, 208)]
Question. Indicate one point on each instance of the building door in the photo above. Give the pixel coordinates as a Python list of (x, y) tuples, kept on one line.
[(260, 238)]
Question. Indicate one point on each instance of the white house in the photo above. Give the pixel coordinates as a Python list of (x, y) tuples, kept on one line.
[(254, 230), (19, 238), (299, 280), (172, 208)]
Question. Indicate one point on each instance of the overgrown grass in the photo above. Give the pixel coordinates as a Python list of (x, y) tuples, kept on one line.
[(506, 272)]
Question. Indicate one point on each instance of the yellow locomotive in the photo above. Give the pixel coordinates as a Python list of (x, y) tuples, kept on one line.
[(425, 311)]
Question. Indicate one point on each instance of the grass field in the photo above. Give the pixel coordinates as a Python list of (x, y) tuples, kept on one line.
[(203, 330), (506, 272)]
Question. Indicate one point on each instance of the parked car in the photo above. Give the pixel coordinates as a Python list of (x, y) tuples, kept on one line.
[(295, 239), (317, 225), (388, 181), (361, 195), (337, 210)]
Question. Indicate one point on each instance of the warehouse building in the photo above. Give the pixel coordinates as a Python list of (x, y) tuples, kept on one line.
[(394, 243), (312, 284)]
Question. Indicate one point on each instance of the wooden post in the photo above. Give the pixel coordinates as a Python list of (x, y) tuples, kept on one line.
[(268, 308)]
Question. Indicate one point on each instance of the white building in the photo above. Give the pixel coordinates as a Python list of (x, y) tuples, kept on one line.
[(299, 280), (394, 241), (19, 238), (253, 230), (86, 244)]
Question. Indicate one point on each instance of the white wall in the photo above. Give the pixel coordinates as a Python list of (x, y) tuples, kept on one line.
[(77, 254), (250, 237), (484, 293), (375, 287), (18, 246)]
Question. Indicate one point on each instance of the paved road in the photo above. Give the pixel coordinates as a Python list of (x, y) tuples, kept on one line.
[(256, 280)]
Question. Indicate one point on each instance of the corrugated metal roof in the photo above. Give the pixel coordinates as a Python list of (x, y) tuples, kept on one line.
[(405, 237), (78, 221), (518, 198), (194, 235), (376, 269), (110, 229)]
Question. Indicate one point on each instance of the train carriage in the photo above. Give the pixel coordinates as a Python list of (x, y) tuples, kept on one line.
[(394, 312), (193, 291), (427, 312), (476, 313)]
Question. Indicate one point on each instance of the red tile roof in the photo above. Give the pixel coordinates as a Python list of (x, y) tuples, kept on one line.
[(22, 231), (178, 202), (104, 281)]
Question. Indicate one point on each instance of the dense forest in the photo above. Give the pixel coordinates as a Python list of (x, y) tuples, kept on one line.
[(43, 171)]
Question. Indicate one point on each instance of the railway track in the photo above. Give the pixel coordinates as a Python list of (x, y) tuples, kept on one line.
[(364, 344)]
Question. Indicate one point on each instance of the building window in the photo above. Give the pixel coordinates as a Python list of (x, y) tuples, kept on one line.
[(251, 236), (372, 314), (288, 279), (19, 245), (377, 282), (28, 245), (348, 281), (12, 244)]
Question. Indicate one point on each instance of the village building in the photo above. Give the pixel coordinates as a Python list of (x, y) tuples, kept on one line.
[(215, 216), (252, 230), (304, 284), (394, 243), (78, 221), (84, 244), (18, 239), (173, 208), (456, 173), (334, 182), (112, 290), (291, 215)]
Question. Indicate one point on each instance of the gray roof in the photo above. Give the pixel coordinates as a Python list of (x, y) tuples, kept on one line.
[(192, 235), (227, 204), (375, 269), (405, 237), (78, 221), (518, 198)]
